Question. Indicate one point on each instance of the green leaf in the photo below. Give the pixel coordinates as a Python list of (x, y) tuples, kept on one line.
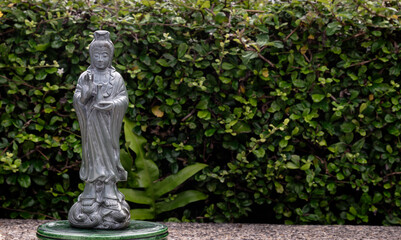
[(134, 141), (283, 143), (317, 97), (291, 165), (51, 70), (50, 99), (377, 33), (210, 132), (171, 182), (242, 127), (70, 48), (220, 17), (358, 145), (41, 74), (136, 196), (225, 80), (377, 197), (24, 180), (248, 55), (306, 166), (393, 130), (28, 77), (347, 127), (42, 47), (389, 118), (227, 66), (56, 44), (202, 104), (163, 62), (59, 188), (182, 49), (204, 114), (28, 202), (205, 4), (350, 217), (279, 187), (331, 187), (338, 147), (126, 160), (332, 28), (260, 152), (40, 180), (55, 119), (340, 176), (181, 200), (142, 214), (262, 39), (147, 170), (188, 148), (389, 149), (276, 44), (177, 108), (353, 211)]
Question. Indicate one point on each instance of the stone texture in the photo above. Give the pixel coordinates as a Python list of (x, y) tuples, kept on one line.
[(26, 230), (100, 101)]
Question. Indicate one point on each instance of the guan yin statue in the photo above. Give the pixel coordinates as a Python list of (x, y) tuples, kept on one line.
[(100, 101)]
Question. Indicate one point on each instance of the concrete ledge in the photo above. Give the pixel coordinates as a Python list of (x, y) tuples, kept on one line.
[(16, 229)]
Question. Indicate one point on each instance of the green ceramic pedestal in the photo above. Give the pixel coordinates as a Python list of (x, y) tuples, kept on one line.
[(136, 230)]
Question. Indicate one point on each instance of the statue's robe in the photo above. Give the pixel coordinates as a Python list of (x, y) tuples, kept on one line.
[(100, 130)]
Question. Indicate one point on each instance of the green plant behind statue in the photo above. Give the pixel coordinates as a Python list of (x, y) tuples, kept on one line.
[(147, 190)]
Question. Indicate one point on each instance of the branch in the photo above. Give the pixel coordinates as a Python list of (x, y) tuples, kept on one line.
[(289, 35), (391, 174), (210, 11), (266, 60), (254, 11), (189, 115), (41, 153), (363, 63), (23, 83), (370, 10)]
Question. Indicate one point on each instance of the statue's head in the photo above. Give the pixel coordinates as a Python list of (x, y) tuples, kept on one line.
[(101, 50)]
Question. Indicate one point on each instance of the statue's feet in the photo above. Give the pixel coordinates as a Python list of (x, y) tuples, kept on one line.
[(108, 214), (110, 202)]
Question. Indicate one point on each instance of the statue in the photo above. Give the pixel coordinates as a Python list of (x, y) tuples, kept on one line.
[(100, 101)]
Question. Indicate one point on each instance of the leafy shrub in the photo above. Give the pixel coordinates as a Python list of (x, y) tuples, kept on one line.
[(293, 106), (145, 189)]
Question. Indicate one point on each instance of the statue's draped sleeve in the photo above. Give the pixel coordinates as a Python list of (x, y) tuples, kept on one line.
[(120, 104), (82, 118)]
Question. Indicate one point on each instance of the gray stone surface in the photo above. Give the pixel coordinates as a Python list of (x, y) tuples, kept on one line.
[(100, 101), (26, 229)]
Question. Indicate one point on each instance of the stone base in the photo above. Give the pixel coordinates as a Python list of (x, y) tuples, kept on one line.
[(100, 216), (135, 230), (100, 206)]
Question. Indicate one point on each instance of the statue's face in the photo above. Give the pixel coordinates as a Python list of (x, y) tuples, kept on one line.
[(101, 59)]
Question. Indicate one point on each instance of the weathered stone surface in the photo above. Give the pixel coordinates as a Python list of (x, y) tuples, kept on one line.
[(20, 229), (100, 101)]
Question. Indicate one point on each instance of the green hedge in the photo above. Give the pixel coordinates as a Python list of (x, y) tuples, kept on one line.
[(294, 106)]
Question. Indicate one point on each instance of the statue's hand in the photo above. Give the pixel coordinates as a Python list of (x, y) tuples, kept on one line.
[(87, 84), (104, 105)]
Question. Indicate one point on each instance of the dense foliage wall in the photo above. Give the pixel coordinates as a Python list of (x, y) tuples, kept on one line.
[(295, 107)]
